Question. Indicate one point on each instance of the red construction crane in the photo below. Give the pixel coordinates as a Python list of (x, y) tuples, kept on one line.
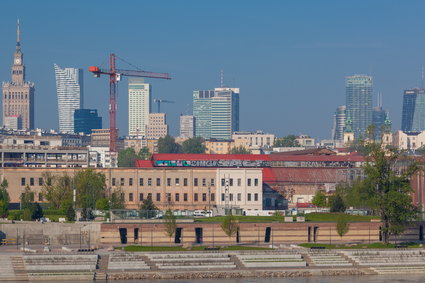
[(114, 77)]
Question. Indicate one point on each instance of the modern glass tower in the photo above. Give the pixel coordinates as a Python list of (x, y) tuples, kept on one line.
[(358, 90), (69, 88), (216, 112), (413, 115), (339, 123), (85, 120)]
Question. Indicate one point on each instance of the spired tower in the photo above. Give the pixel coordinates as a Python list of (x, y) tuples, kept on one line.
[(348, 131), (387, 136), (18, 95)]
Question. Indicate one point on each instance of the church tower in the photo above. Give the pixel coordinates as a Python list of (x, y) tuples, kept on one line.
[(18, 95), (387, 136), (348, 131)]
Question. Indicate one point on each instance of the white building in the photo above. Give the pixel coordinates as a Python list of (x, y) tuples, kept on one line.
[(408, 141), (157, 126), (139, 106), (100, 156), (253, 140), (187, 126), (69, 88)]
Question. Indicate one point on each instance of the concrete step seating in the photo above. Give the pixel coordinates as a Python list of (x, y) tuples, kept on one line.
[(272, 260), (6, 268), (58, 263), (328, 259), (387, 258), (382, 270), (192, 261), (127, 261)]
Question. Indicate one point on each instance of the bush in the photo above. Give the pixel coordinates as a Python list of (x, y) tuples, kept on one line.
[(15, 215)]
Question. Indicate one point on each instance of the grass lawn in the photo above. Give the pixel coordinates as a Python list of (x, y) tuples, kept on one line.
[(359, 246), (178, 248), (310, 217)]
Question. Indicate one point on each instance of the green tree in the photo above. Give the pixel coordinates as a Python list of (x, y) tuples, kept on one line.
[(127, 157), (148, 209), (170, 223), (239, 150), (230, 225), (117, 199), (90, 186), (193, 145), (4, 199), (102, 204), (57, 189), (342, 226), (30, 209), (167, 144), (27, 198), (389, 192), (337, 204), (144, 153), (319, 199), (288, 141), (70, 213)]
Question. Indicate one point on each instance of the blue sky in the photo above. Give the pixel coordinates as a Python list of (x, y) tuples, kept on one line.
[(289, 58)]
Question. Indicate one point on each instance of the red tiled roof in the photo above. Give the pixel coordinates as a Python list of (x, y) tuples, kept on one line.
[(189, 156), (351, 158), (303, 175), (144, 164)]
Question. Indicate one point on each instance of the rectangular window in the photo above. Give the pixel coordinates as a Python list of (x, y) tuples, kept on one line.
[(231, 182), (122, 196), (22, 181), (249, 182), (40, 181), (150, 196), (239, 197), (168, 197), (239, 182), (149, 181), (212, 182), (195, 182), (249, 197), (223, 182), (212, 197), (255, 197), (141, 197), (122, 182), (256, 182), (130, 181), (40, 197), (185, 182), (185, 197), (113, 181), (158, 182), (177, 181), (231, 197), (195, 197), (204, 197), (31, 181), (204, 182), (158, 197), (141, 182), (222, 197), (168, 182), (177, 197), (130, 197)]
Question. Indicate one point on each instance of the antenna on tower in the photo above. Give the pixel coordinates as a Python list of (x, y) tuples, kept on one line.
[(221, 78)]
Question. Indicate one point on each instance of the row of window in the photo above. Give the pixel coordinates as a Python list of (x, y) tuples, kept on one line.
[(229, 182), (239, 197), (196, 197)]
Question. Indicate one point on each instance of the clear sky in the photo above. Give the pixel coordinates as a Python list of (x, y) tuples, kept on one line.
[(289, 58)]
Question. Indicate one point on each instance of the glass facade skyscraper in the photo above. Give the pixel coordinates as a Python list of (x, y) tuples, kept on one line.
[(85, 120), (216, 112), (339, 123), (358, 90), (413, 115)]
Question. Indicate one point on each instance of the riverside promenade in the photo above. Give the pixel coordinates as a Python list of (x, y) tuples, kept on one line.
[(289, 261)]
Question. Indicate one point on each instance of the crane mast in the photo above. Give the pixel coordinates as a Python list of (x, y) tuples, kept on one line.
[(114, 76)]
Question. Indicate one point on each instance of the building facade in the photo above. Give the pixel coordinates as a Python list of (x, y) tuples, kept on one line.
[(85, 120), (253, 140), (339, 123), (216, 112), (157, 126), (18, 95), (139, 106), (359, 102), (69, 89), (13, 122), (413, 115), (187, 126)]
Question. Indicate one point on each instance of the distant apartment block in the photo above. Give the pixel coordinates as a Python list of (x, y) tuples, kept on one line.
[(253, 140), (215, 146), (69, 89), (139, 106), (187, 126), (13, 122), (85, 120), (157, 127)]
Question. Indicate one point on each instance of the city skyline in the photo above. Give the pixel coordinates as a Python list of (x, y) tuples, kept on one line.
[(373, 51)]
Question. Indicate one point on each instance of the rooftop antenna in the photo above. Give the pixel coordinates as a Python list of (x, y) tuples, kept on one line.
[(221, 78)]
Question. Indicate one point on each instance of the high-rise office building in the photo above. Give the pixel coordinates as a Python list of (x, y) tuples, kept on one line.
[(85, 120), (413, 115), (187, 126), (69, 89), (378, 120), (157, 126), (18, 95), (216, 112), (359, 102), (339, 123), (139, 106)]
